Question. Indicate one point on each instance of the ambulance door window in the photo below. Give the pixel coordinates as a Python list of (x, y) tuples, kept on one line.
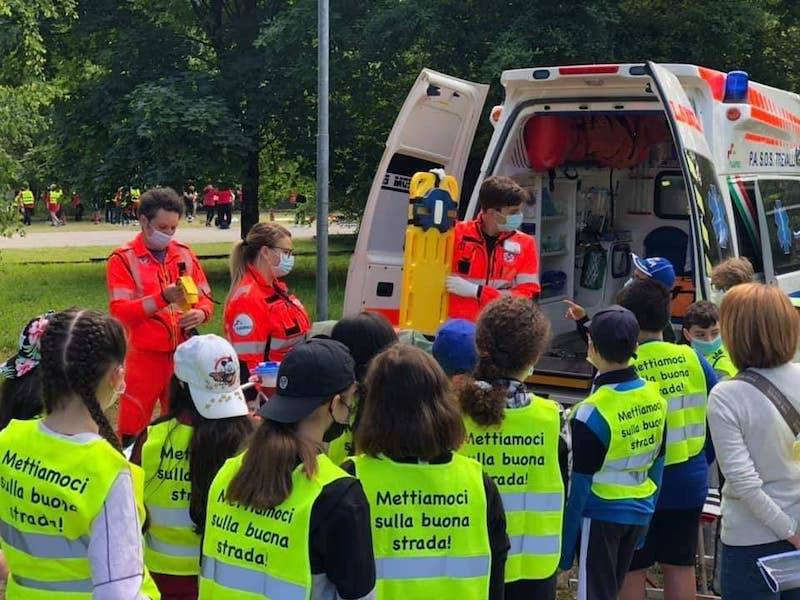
[(716, 233), (780, 199), (745, 217)]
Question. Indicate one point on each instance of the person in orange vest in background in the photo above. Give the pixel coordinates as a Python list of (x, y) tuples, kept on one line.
[(491, 258), (142, 281), (263, 320), (210, 197)]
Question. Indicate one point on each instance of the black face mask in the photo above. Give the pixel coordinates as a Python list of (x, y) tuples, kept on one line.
[(336, 429)]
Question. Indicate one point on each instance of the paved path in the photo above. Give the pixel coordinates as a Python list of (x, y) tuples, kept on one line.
[(63, 237)]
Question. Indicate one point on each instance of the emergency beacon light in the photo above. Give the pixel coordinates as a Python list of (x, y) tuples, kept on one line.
[(736, 84)]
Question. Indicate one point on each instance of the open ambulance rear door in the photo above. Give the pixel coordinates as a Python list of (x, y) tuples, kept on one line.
[(711, 235), (434, 129)]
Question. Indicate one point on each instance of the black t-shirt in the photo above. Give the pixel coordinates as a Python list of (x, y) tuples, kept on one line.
[(495, 518)]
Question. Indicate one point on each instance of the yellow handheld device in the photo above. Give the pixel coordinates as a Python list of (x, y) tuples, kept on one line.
[(191, 295), (428, 251)]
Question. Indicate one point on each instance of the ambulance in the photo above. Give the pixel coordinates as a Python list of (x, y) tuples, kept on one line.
[(670, 160)]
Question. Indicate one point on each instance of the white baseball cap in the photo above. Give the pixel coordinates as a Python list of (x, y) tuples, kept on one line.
[(209, 366)]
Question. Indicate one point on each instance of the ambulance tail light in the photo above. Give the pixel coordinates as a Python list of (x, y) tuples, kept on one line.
[(736, 84), (589, 70), (733, 114)]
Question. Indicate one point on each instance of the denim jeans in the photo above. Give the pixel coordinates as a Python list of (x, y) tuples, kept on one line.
[(741, 579)]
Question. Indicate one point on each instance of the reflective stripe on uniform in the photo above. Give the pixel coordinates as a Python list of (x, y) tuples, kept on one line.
[(526, 278), (530, 501), (632, 462), (248, 580), (122, 294), (534, 544), (76, 586), (170, 517), (133, 265), (279, 344), (680, 434), (629, 478), (501, 284), (170, 549), (42, 545), (682, 402), (250, 347), (422, 567), (149, 305)]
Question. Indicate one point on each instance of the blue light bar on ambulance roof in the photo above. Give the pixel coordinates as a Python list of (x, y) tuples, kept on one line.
[(736, 84)]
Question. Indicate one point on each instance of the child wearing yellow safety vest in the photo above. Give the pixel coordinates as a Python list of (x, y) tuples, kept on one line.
[(617, 459), (701, 329), (70, 505), (684, 379), (438, 526), (365, 335), (283, 521), (182, 451), (518, 439)]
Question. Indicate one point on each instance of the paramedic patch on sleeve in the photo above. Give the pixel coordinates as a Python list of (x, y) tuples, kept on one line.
[(511, 250), (243, 325)]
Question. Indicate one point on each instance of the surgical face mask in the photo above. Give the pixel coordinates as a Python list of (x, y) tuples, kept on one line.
[(157, 240), (716, 295), (337, 429), (513, 222), (284, 266), (707, 347)]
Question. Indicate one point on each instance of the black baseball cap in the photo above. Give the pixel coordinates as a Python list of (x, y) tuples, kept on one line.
[(313, 372), (614, 332)]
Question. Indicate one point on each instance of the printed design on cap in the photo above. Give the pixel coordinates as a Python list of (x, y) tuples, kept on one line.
[(283, 383), (243, 325), (224, 374)]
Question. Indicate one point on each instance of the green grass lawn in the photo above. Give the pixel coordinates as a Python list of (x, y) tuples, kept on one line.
[(28, 288)]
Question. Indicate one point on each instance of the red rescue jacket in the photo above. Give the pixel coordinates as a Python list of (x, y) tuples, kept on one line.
[(135, 282), (262, 321), (511, 269)]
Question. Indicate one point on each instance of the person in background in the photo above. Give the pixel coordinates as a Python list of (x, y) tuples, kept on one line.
[(210, 198), (189, 200), (109, 209), (407, 442), (225, 208), (366, 335), (701, 329), (53, 200), (310, 519), (491, 258), (142, 278), (94, 549), (684, 379), (262, 319), (27, 202), (21, 394), (207, 424), (454, 349), (732, 272), (97, 207), (756, 446), (618, 447), (136, 200), (511, 335), (77, 206), (119, 208)]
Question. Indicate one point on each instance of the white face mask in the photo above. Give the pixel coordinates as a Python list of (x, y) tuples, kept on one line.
[(158, 240)]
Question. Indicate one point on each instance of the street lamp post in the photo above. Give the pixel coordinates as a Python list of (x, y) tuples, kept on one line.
[(323, 157)]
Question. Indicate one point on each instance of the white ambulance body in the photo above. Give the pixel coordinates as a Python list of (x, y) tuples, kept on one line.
[(710, 168)]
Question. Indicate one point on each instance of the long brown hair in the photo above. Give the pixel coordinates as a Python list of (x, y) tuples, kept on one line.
[(245, 252), (265, 478), (510, 335), (78, 349), (408, 409)]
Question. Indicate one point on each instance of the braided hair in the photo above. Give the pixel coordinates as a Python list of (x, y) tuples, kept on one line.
[(78, 349), (510, 335)]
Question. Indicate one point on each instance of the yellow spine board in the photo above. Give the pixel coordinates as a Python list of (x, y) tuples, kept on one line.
[(427, 260)]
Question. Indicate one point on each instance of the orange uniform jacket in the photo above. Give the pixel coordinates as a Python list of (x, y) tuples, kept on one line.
[(262, 321), (135, 283), (511, 269)]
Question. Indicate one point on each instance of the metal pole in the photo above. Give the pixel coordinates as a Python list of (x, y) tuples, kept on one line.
[(323, 157)]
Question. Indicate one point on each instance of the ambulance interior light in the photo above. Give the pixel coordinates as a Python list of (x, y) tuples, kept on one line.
[(736, 84)]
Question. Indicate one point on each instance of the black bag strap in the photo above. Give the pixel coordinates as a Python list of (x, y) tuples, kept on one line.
[(774, 395)]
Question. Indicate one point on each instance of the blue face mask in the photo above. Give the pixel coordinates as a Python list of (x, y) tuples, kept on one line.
[(706, 348), (285, 266), (513, 222)]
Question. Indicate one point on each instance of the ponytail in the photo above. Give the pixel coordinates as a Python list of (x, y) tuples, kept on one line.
[(265, 478), (481, 398), (245, 252), (238, 264)]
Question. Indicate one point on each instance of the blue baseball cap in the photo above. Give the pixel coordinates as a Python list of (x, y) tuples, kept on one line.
[(454, 347), (614, 331), (657, 268)]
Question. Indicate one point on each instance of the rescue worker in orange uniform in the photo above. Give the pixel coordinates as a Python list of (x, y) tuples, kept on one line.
[(491, 258), (142, 281), (263, 320)]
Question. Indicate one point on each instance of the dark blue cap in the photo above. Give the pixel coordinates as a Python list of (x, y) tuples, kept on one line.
[(614, 332), (658, 268), (454, 347)]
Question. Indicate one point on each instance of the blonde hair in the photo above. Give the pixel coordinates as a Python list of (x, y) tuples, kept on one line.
[(732, 272), (760, 327), (245, 252)]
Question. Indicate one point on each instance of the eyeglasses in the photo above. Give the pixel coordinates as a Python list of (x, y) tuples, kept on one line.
[(286, 251)]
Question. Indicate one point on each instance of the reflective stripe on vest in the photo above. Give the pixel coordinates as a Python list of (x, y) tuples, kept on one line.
[(79, 586), (171, 545), (243, 348), (677, 371), (283, 343), (428, 549), (128, 254), (28, 198), (43, 545), (636, 419), (264, 552), (526, 278), (521, 456)]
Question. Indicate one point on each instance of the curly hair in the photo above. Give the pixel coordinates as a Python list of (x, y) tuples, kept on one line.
[(510, 336), (78, 349)]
